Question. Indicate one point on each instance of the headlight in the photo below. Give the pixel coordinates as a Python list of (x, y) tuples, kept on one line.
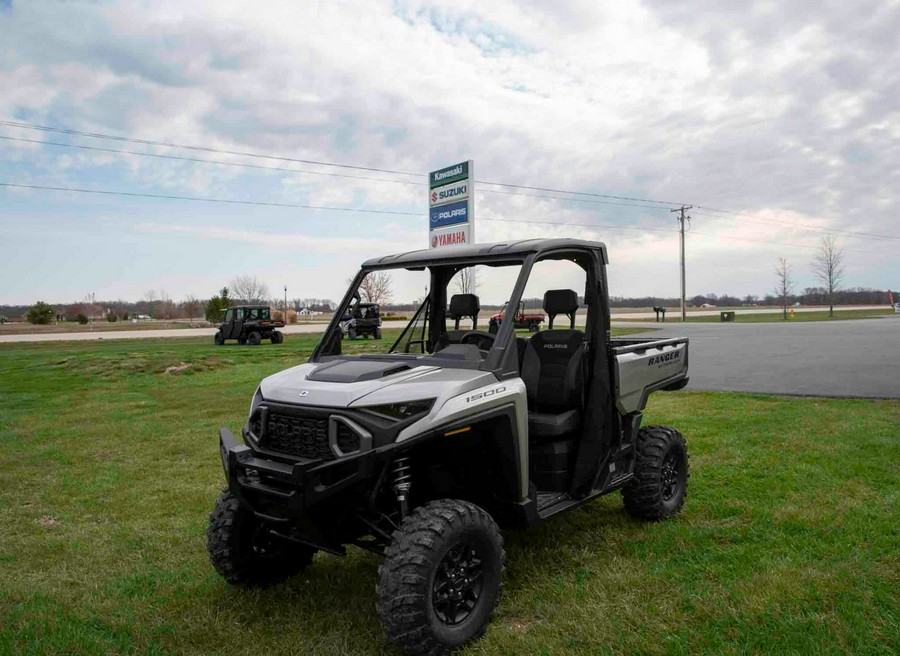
[(257, 399), (402, 411)]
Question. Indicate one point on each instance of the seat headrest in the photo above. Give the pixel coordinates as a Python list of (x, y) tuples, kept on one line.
[(464, 305), (560, 301)]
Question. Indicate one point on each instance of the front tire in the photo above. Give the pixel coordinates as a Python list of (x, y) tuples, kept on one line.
[(533, 327), (218, 339), (378, 333), (245, 553), (442, 577), (661, 474), (351, 333)]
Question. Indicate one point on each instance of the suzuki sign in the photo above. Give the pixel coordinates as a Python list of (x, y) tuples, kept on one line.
[(451, 205)]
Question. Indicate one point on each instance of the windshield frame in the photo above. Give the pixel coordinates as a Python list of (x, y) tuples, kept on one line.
[(498, 358)]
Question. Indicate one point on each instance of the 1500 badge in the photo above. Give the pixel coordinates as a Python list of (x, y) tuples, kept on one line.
[(484, 395)]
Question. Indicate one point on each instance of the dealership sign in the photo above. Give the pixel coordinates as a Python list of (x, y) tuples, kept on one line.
[(451, 205)]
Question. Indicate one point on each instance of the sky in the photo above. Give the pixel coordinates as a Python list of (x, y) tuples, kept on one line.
[(784, 114)]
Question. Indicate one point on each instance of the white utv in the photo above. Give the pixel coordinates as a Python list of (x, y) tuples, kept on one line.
[(421, 452)]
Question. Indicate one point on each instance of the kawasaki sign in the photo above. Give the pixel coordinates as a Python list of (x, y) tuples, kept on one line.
[(451, 205)]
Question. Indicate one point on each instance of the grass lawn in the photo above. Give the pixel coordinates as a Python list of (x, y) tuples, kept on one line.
[(772, 317), (789, 543)]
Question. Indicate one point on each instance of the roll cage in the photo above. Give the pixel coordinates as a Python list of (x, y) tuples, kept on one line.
[(429, 321)]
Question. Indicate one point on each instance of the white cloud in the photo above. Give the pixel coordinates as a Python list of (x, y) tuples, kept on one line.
[(768, 109)]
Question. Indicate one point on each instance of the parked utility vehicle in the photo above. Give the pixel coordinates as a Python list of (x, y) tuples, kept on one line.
[(361, 320), (249, 324), (531, 320), (420, 452)]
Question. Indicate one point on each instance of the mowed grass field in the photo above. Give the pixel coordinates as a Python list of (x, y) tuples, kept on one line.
[(789, 542)]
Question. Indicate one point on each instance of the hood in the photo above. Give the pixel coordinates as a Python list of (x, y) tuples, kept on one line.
[(342, 383)]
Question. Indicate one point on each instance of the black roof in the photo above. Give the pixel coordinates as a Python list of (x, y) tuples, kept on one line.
[(497, 250), (255, 306)]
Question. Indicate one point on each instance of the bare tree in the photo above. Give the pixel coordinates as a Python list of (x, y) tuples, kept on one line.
[(165, 308), (785, 286), (191, 306), (828, 267), (248, 289), (149, 302), (376, 287), (466, 282)]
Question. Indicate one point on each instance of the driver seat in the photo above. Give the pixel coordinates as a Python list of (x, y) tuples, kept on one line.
[(551, 370), (462, 306)]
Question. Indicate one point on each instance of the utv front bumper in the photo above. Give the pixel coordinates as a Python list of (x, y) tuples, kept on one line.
[(286, 491)]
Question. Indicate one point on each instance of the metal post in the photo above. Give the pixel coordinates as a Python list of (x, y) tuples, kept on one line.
[(285, 317), (681, 219)]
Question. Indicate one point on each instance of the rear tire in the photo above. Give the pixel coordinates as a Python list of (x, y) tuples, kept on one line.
[(245, 553), (277, 337), (378, 333), (661, 474), (533, 327), (351, 333), (254, 339), (442, 577), (218, 339)]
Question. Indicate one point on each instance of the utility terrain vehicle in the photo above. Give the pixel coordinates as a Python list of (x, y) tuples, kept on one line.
[(249, 324), (531, 320), (361, 320), (418, 453)]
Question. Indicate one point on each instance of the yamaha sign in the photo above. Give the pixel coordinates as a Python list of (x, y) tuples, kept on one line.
[(451, 205)]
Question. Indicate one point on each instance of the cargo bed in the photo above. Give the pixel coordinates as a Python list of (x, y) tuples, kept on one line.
[(644, 365)]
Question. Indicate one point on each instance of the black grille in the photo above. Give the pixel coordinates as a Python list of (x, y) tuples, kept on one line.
[(304, 437)]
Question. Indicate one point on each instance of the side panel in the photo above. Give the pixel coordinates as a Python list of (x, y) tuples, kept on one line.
[(643, 368), (475, 401)]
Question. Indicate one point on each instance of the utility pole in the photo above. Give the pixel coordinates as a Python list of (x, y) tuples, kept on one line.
[(681, 219)]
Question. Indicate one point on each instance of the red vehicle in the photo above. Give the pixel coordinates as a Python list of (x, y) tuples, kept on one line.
[(532, 320)]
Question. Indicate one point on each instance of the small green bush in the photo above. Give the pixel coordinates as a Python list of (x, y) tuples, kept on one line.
[(82, 319), (39, 313)]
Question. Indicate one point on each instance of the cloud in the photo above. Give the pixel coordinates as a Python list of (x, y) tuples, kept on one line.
[(770, 109)]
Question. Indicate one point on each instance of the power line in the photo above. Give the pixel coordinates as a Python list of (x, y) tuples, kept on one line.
[(150, 142), (305, 171), (796, 226), (107, 192), (583, 225), (207, 161), (206, 199), (630, 201)]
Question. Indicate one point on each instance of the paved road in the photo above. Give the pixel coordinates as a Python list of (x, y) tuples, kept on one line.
[(836, 358), (158, 333), (618, 317)]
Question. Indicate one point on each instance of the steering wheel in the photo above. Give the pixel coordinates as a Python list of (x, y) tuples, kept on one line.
[(484, 341)]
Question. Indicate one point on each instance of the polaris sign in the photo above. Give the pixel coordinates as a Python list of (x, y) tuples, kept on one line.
[(445, 215), (451, 205)]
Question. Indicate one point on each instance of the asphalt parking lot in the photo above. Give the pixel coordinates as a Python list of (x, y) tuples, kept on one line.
[(854, 358)]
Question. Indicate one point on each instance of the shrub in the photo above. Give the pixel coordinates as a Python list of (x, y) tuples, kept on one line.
[(82, 319), (39, 313), (216, 304), (112, 318)]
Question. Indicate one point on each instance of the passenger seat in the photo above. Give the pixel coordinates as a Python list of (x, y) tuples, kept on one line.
[(462, 306), (551, 369)]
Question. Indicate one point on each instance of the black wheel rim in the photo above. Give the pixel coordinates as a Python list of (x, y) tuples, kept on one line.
[(458, 583), (671, 475)]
